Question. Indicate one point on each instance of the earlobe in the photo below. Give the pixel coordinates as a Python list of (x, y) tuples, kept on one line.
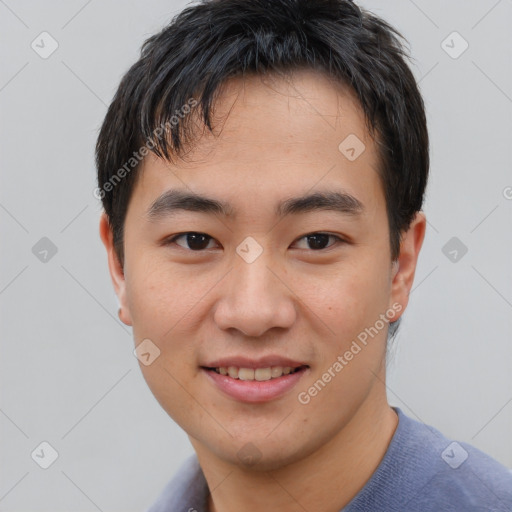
[(123, 317), (405, 266), (115, 269)]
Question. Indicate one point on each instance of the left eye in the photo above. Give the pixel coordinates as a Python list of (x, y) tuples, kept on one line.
[(319, 241), (200, 241)]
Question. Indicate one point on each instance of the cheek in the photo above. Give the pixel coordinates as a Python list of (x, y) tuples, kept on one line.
[(349, 306), (163, 297), (163, 305), (346, 299)]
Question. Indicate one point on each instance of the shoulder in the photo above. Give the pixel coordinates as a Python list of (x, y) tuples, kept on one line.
[(186, 492), (467, 479), (425, 471)]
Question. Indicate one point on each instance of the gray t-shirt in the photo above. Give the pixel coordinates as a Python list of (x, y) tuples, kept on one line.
[(422, 471)]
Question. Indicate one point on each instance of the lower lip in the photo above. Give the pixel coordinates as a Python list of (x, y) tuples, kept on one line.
[(254, 391)]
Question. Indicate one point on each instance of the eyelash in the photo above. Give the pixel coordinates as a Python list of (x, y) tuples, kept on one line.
[(172, 240)]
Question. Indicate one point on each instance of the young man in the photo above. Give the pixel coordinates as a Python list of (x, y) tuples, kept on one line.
[(262, 169)]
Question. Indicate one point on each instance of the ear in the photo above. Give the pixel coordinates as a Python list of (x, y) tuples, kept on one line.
[(405, 265), (116, 269)]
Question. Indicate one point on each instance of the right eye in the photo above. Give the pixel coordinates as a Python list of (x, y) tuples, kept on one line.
[(193, 241)]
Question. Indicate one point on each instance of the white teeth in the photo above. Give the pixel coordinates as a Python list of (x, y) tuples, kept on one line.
[(246, 373), (276, 371), (233, 372), (263, 374), (259, 374)]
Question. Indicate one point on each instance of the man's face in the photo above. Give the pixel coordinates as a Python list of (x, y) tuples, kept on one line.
[(254, 291)]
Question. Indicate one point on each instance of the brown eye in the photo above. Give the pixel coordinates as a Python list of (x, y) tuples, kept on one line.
[(193, 241), (319, 241)]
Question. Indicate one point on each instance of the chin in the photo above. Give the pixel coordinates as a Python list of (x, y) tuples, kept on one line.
[(260, 455)]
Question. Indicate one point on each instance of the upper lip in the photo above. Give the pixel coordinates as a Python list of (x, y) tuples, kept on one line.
[(245, 362)]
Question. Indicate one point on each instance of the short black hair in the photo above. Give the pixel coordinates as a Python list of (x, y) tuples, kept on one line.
[(183, 67)]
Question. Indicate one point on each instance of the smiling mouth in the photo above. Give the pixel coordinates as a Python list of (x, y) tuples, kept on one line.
[(257, 374)]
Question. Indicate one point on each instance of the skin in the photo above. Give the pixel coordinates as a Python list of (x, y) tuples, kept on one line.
[(279, 140)]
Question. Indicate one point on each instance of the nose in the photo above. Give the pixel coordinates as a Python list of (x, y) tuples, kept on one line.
[(255, 298)]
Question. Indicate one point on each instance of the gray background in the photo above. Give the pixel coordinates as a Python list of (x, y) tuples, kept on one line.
[(67, 372)]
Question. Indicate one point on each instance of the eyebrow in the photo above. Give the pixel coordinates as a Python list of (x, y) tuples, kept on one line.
[(174, 200)]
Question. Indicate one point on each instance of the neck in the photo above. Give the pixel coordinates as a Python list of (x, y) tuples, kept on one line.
[(326, 480)]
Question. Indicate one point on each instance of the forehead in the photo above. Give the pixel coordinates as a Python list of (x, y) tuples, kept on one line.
[(304, 108), (275, 136)]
